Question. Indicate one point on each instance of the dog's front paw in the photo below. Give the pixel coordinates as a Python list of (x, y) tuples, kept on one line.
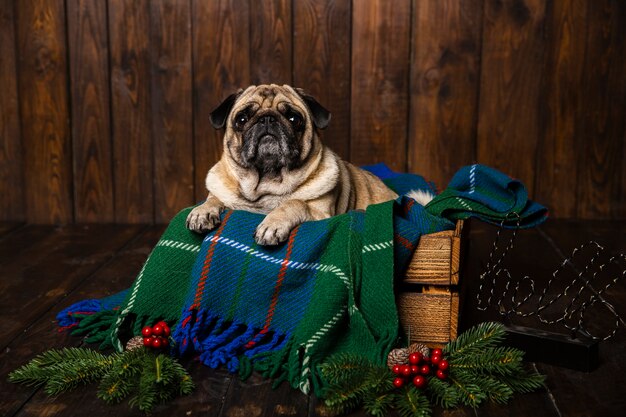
[(271, 232), (203, 218)]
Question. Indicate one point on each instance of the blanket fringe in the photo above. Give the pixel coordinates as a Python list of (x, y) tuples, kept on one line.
[(221, 342)]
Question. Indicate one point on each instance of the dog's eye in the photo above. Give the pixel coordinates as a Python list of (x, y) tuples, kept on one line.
[(241, 119), (295, 120)]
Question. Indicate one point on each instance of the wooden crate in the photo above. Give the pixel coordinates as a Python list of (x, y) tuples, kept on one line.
[(428, 299)]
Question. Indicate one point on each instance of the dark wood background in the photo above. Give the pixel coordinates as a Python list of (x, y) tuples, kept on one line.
[(104, 104)]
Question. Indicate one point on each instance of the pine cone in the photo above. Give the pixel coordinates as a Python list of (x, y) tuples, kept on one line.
[(419, 347), (398, 357), (134, 343)]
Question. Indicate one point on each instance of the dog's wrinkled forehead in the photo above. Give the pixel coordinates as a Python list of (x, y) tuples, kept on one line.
[(270, 96)]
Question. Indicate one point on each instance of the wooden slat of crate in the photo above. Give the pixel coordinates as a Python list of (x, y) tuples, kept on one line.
[(432, 315), (431, 304), (436, 259)]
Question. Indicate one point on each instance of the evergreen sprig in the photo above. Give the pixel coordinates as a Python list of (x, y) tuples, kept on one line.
[(147, 377), (480, 370), (411, 402)]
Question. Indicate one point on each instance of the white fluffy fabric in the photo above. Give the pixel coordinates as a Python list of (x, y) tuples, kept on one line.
[(422, 197)]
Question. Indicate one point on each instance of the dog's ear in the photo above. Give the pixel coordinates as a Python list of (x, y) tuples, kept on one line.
[(321, 116), (220, 114)]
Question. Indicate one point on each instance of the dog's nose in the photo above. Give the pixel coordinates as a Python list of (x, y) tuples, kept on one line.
[(266, 120)]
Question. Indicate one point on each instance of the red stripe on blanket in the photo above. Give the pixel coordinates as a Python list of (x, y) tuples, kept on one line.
[(407, 206), (404, 241), (277, 286), (207, 264)]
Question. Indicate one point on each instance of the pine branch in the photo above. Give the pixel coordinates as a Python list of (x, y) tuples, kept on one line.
[(410, 402), (150, 378), (468, 393), (524, 382), (378, 405), (121, 379), (344, 366), (496, 391), (353, 387), (63, 370), (442, 393), (499, 360), (480, 337)]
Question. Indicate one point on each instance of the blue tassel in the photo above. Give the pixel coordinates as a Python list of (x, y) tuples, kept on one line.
[(70, 316)]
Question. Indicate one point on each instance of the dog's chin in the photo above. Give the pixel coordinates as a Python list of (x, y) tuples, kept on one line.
[(269, 154)]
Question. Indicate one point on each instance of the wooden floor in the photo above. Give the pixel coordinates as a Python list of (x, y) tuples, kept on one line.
[(44, 269)]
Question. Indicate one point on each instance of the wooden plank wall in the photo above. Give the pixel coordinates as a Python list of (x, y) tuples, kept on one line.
[(104, 105)]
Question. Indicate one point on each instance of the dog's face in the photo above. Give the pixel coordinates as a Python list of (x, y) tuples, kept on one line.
[(269, 127)]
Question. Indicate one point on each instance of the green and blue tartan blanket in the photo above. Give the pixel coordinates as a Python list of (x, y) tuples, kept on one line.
[(282, 310)]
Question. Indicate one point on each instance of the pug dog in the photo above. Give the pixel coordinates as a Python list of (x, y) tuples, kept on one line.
[(274, 163)]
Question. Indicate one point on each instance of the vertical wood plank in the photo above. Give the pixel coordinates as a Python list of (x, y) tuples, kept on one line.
[(11, 179), (91, 130), (321, 59), (44, 108), (129, 28), (601, 163), (380, 79), (559, 145), (444, 87), (172, 107), (510, 88), (270, 42), (221, 66)]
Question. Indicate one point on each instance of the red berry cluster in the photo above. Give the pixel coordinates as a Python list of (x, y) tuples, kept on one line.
[(156, 337), (420, 367)]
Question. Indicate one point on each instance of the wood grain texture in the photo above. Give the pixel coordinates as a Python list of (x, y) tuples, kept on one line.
[(221, 66), (172, 119), (445, 69), (11, 173), (90, 98), (428, 314), (436, 259), (109, 278), (129, 29), (560, 140), (36, 280), (601, 165), (321, 63), (271, 42), (42, 76), (380, 77), (510, 88)]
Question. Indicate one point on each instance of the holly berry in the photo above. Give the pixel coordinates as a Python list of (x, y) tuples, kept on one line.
[(156, 337), (398, 382), (415, 369), (424, 369), (396, 369), (426, 359), (415, 358), (420, 381), (157, 343), (435, 359), (441, 374), (436, 352), (444, 365), (157, 330), (406, 370)]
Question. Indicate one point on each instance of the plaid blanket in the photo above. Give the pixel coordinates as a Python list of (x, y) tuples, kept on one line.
[(282, 310)]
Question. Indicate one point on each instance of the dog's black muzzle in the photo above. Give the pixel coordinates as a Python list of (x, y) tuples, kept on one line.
[(270, 145)]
